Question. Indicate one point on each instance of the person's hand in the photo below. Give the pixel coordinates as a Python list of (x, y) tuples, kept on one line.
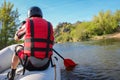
[(16, 37)]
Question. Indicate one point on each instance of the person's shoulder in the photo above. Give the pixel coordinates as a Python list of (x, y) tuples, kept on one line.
[(26, 20), (47, 21), (43, 19)]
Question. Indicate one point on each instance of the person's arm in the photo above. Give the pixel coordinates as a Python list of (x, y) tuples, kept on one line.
[(16, 37), (21, 32)]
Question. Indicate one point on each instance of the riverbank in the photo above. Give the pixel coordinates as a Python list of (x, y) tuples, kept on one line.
[(115, 35), (108, 36)]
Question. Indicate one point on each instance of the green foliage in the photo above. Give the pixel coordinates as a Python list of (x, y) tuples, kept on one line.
[(103, 23), (9, 22), (62, 31)]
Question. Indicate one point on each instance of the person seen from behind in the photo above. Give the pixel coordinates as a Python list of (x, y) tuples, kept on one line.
[(36, 52)]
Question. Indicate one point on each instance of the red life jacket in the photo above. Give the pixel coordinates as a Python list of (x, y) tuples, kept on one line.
[(38, 38)]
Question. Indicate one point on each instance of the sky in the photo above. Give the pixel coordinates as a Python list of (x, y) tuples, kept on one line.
[(58, 11)]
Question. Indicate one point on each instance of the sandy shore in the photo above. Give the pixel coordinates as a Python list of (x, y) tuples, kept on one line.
[(114, 35)]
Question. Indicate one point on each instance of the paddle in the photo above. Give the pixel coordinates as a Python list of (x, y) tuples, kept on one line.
[(69, 64)]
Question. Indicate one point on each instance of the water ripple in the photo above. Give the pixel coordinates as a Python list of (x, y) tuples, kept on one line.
[(90, 73)]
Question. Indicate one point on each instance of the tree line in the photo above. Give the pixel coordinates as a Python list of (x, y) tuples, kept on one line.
[(105, 22)]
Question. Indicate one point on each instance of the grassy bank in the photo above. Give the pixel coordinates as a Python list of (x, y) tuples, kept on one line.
[(107, 36)]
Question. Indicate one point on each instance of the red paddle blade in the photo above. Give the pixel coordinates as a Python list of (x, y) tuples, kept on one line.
[(69, 64)]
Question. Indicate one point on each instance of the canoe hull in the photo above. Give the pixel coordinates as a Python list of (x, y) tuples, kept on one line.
[(52, 73)]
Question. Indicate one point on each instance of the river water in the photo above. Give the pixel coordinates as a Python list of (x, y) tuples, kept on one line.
[(97, 60)]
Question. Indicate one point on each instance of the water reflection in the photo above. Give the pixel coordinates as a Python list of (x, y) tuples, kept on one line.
[(90, 73), (104, 42), (98, 60)]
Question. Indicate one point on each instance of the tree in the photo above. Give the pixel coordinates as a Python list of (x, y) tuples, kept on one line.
[(9, 20), (105, 23), (117, 15)]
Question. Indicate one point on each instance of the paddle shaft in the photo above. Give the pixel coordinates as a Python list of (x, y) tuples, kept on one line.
[(58, 53), (68, 63)]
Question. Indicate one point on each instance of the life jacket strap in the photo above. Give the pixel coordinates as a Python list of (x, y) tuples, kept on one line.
[(38, 40), (37, 49), (48, 40), (32, 35)]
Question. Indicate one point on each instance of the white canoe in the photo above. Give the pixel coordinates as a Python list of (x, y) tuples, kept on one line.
[(6, 57), (52, 73)]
